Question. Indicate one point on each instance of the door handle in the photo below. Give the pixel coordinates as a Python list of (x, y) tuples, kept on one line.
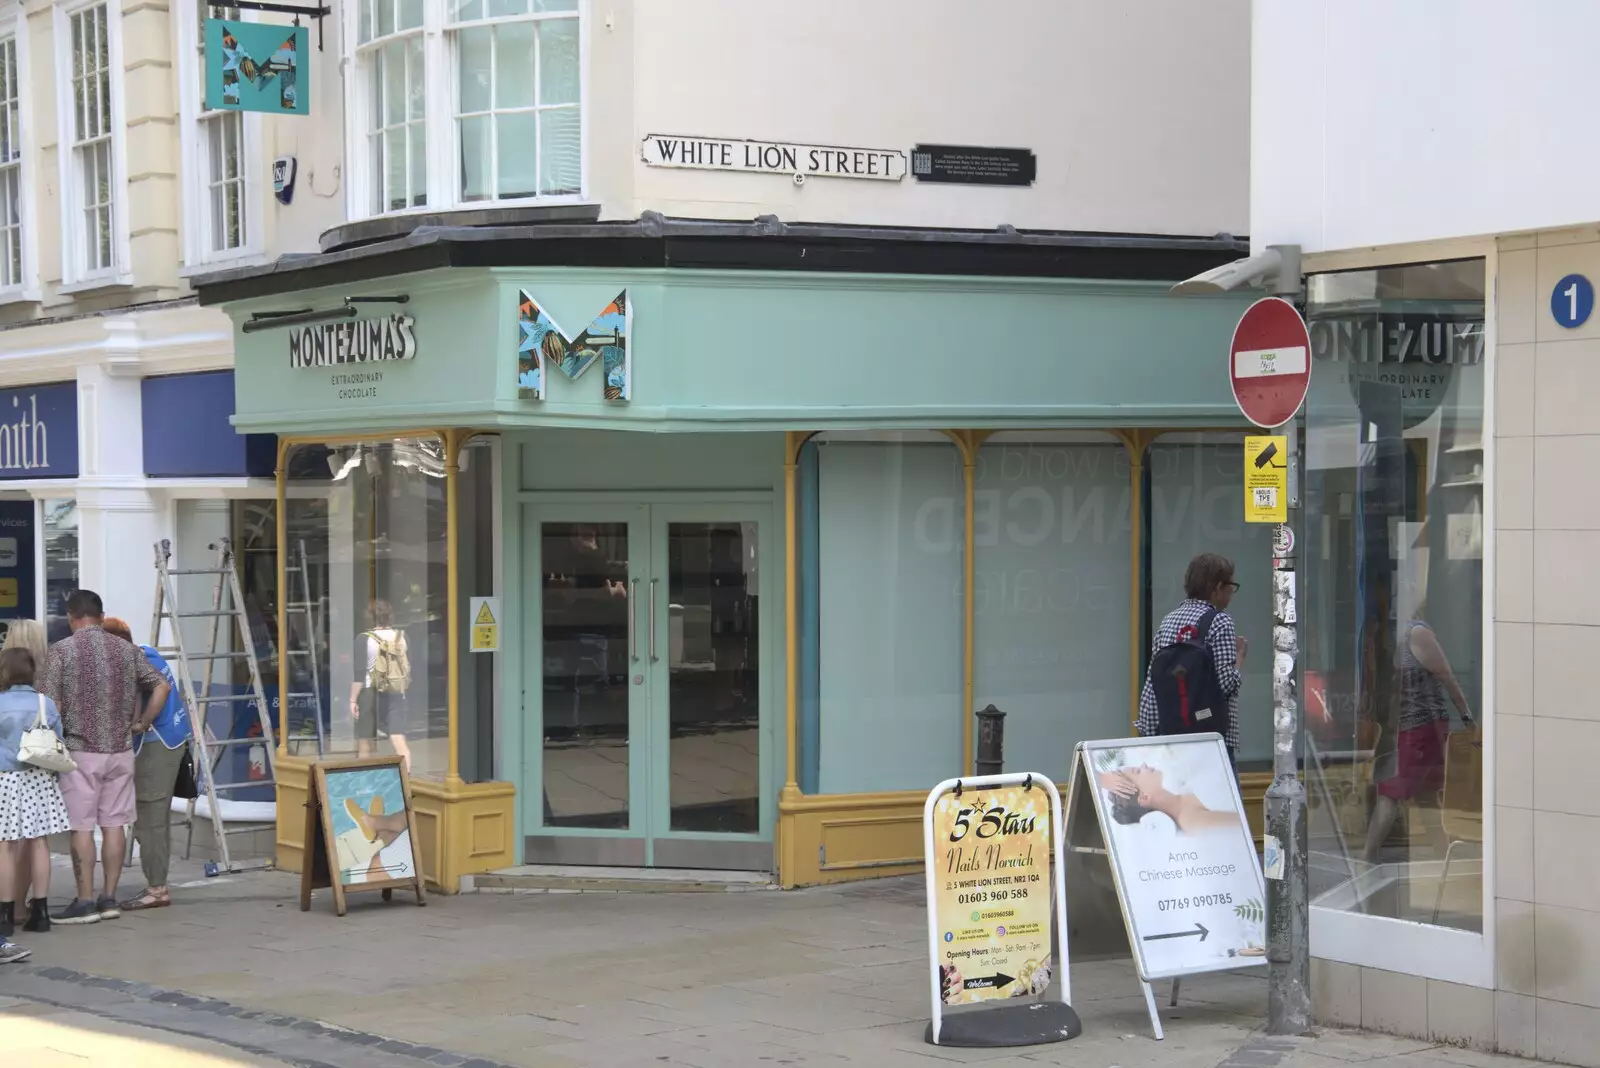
[(653, 657), (633, 622)]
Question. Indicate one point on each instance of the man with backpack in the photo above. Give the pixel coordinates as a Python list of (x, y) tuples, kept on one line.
[(1196, 660), (378, 696)]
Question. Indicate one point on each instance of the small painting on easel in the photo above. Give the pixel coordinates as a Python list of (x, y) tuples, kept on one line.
[(360, 834)]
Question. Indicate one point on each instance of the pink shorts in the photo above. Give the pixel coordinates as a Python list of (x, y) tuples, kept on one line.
[(99, 793)]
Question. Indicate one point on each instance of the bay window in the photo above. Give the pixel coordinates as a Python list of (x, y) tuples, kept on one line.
[(466, 102)]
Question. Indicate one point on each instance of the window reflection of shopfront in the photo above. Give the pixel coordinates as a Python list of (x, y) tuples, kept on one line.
[(1394, 633), (59, 541)]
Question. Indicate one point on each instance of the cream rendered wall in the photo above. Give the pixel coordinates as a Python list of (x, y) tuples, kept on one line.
[(1380, 123), (1137, 111)]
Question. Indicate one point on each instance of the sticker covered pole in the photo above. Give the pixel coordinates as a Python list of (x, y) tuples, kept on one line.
[(1288, 946)]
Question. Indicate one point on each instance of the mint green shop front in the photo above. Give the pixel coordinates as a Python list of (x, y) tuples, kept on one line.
[(742, 617)]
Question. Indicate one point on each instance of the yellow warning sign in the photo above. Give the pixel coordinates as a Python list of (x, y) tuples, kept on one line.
[(485, 624), (1266, 480), (9, 594)]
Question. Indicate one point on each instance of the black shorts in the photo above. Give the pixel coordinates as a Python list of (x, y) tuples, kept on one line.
[(381, 712)]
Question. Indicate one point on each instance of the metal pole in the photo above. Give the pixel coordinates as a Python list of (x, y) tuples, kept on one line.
[(1288, 944)]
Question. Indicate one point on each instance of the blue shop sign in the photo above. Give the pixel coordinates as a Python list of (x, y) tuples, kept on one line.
[(188, 431), (39, 431)]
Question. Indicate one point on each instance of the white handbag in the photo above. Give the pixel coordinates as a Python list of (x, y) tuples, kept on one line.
[(43, 748)]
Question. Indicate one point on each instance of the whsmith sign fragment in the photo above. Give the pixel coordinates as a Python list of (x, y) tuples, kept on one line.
[(355, 341)]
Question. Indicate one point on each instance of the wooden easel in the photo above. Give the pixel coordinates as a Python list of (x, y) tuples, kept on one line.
[(320, 863)]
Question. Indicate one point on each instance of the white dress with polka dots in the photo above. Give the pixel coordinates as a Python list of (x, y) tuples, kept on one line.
[(30, 805)]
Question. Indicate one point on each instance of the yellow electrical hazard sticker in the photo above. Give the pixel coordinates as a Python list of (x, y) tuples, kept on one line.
[(1266, 480), (485, 624)]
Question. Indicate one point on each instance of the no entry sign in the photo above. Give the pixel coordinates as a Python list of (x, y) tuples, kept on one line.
[(1269, 362)]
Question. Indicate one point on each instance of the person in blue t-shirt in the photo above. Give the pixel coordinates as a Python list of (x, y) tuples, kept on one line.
[(158, 755)]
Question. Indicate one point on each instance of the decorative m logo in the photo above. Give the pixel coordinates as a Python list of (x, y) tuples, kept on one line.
[(252, 66), (543, 345)]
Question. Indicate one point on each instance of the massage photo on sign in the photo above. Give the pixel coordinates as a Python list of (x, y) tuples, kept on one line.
[(1180, 841)]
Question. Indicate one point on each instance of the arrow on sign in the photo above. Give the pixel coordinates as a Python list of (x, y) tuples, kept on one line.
[(1199, 929), (988, 982)]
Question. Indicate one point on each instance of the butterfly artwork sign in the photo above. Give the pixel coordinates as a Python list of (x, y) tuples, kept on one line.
[(253, 66), (544, 347)]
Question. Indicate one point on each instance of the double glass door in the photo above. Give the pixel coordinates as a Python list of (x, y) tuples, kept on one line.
[(646, 633)]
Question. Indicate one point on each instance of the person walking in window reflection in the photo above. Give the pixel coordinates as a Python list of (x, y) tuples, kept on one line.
[(1412, 768), (378, 701)]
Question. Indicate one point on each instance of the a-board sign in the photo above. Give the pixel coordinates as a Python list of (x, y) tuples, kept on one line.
[(995, 898), (360, 834), (1182, 857)]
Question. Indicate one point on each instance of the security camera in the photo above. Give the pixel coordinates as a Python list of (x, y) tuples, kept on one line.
[(1277, 268)]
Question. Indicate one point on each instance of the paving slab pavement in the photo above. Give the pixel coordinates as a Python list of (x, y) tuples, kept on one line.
[(830, 976)]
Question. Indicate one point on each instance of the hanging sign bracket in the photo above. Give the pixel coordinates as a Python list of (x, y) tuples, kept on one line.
[(319, 12)]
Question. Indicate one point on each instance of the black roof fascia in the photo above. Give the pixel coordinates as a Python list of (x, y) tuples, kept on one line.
[(767, 244)]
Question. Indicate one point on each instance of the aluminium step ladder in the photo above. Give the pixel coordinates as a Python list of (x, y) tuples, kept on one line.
[(227, 603), (308, 612)]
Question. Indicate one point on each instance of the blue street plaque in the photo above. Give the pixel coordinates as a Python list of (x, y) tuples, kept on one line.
[(1572, 301)]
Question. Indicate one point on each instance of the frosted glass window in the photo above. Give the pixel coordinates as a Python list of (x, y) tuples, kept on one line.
[(1197, 506), (1052, 594), (889, 542)]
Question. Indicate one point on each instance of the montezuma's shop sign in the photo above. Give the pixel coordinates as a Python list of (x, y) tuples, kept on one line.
[(390, 337), (993, 892)]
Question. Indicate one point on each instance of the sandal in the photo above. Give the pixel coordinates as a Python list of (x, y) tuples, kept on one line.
[(146, 900)]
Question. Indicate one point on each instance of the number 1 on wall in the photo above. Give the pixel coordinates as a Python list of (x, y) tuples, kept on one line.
[(1572, 301)]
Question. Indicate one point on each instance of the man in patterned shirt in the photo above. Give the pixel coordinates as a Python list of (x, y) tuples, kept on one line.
[(108, 694), (1207, 585)]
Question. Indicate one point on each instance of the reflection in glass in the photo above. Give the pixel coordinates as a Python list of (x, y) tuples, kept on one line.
[(60, 563), (584, 649), (713, 654), (1394, 603)]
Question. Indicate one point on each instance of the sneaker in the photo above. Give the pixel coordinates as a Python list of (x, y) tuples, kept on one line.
[(107, 908), (11, 953), (80, 911)]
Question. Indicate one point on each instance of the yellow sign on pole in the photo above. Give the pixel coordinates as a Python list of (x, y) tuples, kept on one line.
[(1266, 479), (485, 624)]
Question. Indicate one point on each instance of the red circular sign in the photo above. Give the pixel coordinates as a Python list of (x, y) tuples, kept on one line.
[(1269, 362)]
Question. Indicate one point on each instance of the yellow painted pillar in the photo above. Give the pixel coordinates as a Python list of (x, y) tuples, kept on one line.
[(452, 469), (281, 477), (1135, 441), (793, 441)]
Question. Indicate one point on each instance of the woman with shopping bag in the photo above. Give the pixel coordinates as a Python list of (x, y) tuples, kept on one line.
[(31, 808)]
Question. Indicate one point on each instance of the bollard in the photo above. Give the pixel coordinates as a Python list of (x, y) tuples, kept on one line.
[(991, 741)]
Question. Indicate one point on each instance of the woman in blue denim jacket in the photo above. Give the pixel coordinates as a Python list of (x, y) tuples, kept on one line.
[(30, 802)]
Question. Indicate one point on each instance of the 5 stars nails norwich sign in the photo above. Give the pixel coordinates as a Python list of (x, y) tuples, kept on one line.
[(252, 66)]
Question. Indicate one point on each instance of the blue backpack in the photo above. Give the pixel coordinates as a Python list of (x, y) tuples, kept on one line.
[(1189, 700)]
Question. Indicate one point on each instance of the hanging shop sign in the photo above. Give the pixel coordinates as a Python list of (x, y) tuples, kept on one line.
[(972, 165), (774, 157), (542, 344), (1266, 480), (1172, 824), (253, 66), (995, 894), (39, 431), (391, 337)]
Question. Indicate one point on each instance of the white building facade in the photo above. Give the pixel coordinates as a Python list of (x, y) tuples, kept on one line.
[(1423, 157), (117, 184)]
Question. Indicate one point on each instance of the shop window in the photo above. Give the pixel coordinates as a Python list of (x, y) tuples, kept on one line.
[(1195, 505), (59, 523), (882, 611), (1393, 604), (478, 100), (371, 522), (478, 526), (1052, 592)]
